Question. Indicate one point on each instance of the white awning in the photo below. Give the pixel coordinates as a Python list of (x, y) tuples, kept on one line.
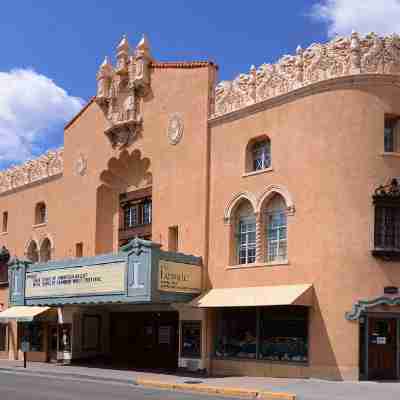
[(256, 296), (21, 313)]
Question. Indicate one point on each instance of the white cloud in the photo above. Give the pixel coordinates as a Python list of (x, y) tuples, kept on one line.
[(31, 106), (364, 16)]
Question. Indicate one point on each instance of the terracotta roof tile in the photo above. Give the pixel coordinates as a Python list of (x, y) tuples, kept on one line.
[(183, 64)]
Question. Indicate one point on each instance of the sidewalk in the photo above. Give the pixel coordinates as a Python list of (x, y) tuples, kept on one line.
[(246, 387)]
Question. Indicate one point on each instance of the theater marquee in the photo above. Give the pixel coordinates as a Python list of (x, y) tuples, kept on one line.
[(78, 281), (179, 277)]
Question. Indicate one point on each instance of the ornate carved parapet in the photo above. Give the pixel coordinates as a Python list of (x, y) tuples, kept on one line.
[(343, 56), (47, 165), (120, 88)]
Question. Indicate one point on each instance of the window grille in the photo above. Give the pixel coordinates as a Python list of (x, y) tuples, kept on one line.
[(247, 240), (276, 236), (261, 155)]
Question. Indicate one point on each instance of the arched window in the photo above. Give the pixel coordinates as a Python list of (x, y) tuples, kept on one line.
[(245, 223), (40, 213), (261, 155), (258, 154), (45, 251), (32, 252), (276, 229)]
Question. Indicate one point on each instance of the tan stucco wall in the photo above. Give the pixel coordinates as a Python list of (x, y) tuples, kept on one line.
[(79, 208), (326, 151)]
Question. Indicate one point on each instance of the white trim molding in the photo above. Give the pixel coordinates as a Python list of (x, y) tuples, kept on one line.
[(272, 190), (28, 243), (237, 198)]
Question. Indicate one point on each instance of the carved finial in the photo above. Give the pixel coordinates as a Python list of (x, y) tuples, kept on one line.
[(123, 45), (143, 43), (299, 50), (106, 62), (143, 47)]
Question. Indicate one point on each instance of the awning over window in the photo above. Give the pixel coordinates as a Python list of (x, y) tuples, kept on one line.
[(257, 296), (22, 313)]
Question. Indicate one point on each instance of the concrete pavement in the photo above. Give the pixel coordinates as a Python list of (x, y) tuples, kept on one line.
[(305, 389), (23, 386)]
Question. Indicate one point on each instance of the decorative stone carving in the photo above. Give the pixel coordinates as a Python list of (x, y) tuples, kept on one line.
[(80, 165), (343, 56), (120, 89), (363, 305), (47, 165), (175, 128)]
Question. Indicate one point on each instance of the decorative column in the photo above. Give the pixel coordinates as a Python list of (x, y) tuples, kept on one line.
[(259, 238)]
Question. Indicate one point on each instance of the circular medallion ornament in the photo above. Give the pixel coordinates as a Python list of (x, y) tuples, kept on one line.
[(175, 128), (81, 165)]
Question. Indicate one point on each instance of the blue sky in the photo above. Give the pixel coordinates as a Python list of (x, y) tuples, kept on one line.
[(50, 50)]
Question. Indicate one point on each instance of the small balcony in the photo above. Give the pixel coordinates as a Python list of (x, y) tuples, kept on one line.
[(387, 253), (141, 231)]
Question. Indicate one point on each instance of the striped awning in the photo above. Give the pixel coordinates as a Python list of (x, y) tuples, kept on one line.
[(22, 313)]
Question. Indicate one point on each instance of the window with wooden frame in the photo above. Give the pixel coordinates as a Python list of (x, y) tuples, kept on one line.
[(258, 154), (276, 230), (245, 234), (79, 249), (173, 238), (5, 222), (386, 202), (135, 215), (391, 142), (40, 213)]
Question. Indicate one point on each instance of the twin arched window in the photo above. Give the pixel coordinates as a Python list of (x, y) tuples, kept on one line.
[(270, 226), (35, 254)]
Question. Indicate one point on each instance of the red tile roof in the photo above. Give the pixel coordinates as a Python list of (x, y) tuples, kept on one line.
[(183, 64)]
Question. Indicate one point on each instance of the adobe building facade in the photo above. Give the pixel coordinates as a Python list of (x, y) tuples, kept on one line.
[(249, 227)]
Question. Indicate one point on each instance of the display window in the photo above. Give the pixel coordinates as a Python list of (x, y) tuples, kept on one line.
[(263, 333), (33, 333), (284, 334), (237, 333), (191, 339)]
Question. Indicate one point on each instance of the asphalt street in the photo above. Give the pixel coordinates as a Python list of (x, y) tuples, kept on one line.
[(23, 386)]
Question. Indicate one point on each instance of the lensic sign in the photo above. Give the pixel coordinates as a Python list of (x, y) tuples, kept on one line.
[(179, 277)]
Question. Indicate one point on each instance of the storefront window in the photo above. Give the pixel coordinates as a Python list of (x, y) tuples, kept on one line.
[(265, 333), (3, 337), (237, 333), (65, 337), (33, 333), (283, 333), (191, 339)]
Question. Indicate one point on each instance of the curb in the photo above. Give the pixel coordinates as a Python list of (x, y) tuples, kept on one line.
[(226, 391), (66, 375)]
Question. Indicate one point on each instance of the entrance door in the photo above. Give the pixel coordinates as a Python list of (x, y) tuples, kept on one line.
[(53, 343), (145, 339), (382, 348)]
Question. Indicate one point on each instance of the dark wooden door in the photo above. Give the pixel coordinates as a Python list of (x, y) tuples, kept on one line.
[(382, 348), (145, 339)]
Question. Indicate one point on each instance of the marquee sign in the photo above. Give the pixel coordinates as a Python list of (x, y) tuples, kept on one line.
[(78, 281), (179, 277)]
